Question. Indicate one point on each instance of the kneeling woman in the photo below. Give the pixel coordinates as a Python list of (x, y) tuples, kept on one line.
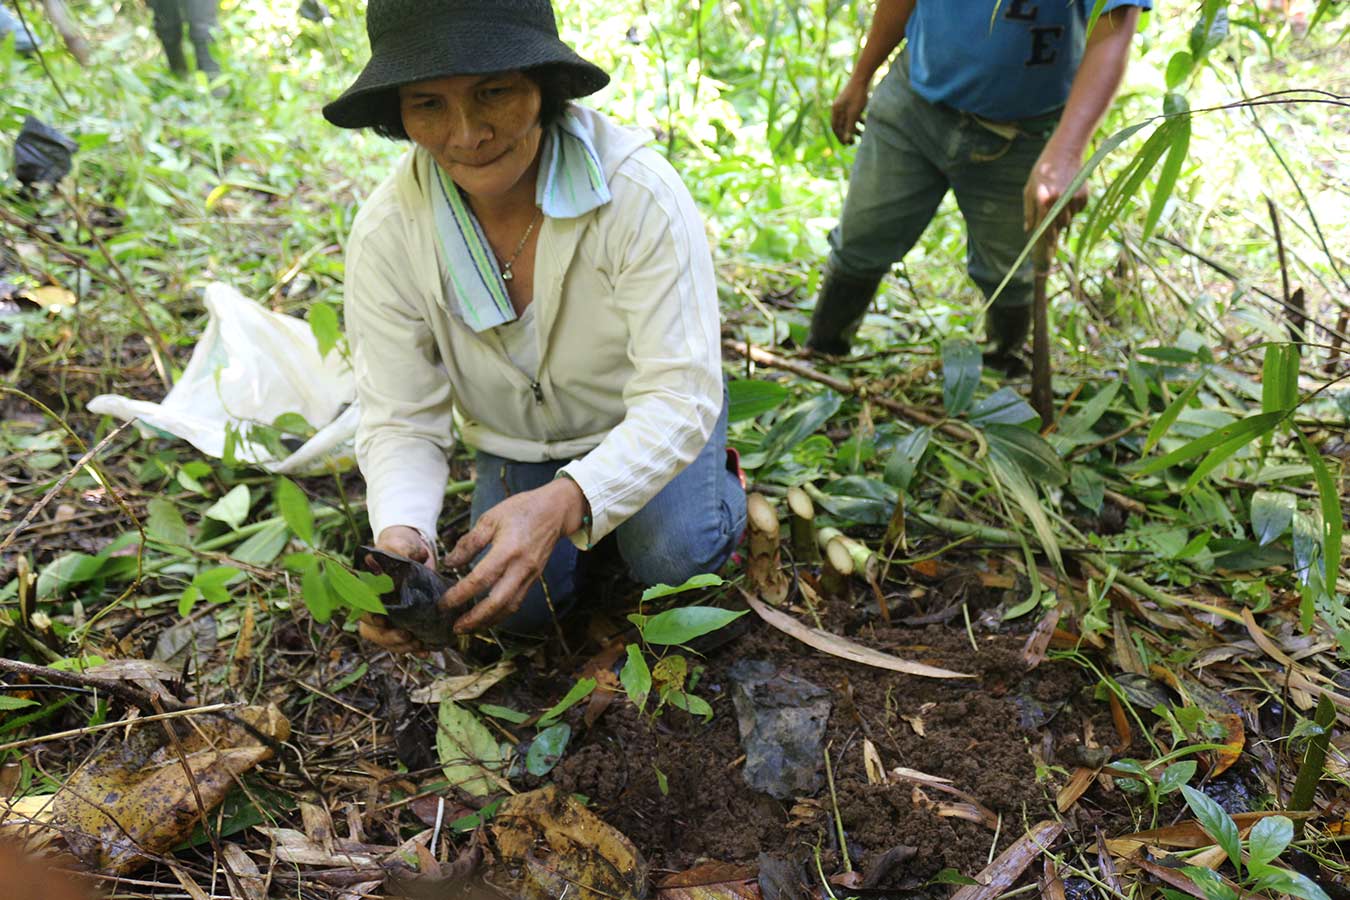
[(538, 276)]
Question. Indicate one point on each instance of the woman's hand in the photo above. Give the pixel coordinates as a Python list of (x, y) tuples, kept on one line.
[(847, 112), (521, 531), (407, 542)]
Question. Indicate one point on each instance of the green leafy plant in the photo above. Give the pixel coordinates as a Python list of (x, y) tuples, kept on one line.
[(1269, 837), (670, 677)]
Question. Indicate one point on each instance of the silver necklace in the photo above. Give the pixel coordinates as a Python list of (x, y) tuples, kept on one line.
[(507, 274)]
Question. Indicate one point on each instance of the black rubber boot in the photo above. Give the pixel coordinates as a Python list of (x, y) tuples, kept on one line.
[(1006, 329), (173, 51), (840, 307), (201, 19)]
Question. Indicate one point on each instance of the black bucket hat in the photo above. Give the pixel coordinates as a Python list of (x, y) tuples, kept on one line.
[(417, 40)]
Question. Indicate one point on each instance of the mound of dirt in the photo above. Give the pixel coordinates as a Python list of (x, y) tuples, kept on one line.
[(674, 785)]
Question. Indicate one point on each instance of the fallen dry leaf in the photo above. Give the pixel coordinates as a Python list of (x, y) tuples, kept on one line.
[(1078, 784), (548, 843), (1033, 652), (999, 875), (711, 881), (1234, 740), (462, 687), (50, 296), (876, 772), (135, 800), (1187, 835), (834, 645)]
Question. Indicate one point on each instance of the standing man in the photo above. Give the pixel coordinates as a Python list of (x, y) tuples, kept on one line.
[(993, 99)]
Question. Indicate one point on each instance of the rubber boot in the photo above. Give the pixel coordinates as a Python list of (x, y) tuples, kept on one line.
[(840, 307), (1006, 329), (173, 51), (201, 17)]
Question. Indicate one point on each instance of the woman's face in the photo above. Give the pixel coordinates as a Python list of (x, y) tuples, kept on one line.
[(483, 130)]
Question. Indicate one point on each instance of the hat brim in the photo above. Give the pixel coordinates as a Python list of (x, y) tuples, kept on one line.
[(458, 48)]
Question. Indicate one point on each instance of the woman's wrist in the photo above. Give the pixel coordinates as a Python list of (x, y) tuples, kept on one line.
[(577, 514)]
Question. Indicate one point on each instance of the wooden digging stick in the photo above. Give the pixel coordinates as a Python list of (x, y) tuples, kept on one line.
[(1042, 398)]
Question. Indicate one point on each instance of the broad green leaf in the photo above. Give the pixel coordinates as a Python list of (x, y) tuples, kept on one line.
[(1122, 190), (683, 624), (232, 509), (1332, 524), (323, 322), (1169, 415), (264, 546), (752, 397), (188, 599), (8, 703), (866, 501), (1029, 452), (905, 457), (1279, 377), (1003, 407), (293, 423), (1088, 487), (467, 750), (793, 428), (657, 591), (212, 582), (1134, 768), (636, 677), (1247, 429), (547, 749), (1216, 822), (1174, 776), (579, 692), (962, 363), (951, 876), (1079, 424), (1024, 497), (1179, 68), (1293, 883), (1179, 143), (1210, 29), (694, 705), (1272, 514), (294, 506), (352, 590), (1211, 884), (506, 714), (164, 523), (65, 572), (1267, 840), (314, 591)]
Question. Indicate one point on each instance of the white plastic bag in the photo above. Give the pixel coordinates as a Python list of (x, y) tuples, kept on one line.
[(250, 367)]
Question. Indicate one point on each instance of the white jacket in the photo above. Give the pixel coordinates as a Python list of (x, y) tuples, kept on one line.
[(629, 384)]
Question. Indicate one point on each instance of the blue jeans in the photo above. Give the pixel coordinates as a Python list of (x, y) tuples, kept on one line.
[(912, 152), (689, 528)]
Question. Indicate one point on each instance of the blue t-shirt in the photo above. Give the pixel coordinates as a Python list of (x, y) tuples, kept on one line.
[(1000, 59)]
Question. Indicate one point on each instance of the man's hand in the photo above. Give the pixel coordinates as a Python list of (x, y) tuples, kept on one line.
[(407, 542), (1049, 180), (847, 112), (521, 531)]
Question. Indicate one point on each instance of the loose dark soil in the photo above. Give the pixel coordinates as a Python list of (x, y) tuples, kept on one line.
[(983, 734)]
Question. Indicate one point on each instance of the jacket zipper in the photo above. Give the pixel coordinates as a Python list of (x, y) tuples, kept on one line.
[(538, 393)]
